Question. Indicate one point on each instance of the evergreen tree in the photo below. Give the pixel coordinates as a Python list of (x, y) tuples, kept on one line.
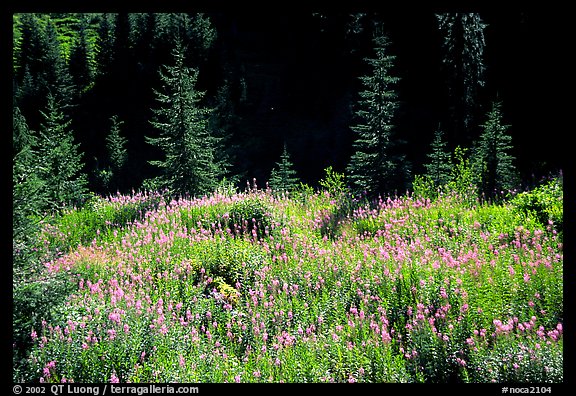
[(55, 76), (28, 199), (80, 65), (194, 31), (189, 165), (375, 167), (202, 36), (29, 55), (66, 184), (122, 65), (463, 59), (117, 152), (42, 68), (105, 44), (29, 49), (222, 121), (142, 36), (491, 158), (438, 168), (282, 178)]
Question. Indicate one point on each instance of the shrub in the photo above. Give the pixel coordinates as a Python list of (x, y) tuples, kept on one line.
[(544, 203)]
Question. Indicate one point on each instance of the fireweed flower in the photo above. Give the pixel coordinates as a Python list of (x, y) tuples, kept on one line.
[(365, 268), (114, 379)]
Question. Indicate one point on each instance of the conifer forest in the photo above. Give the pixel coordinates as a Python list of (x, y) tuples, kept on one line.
[(295, 196)]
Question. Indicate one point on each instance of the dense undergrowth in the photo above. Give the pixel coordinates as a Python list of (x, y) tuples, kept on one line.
[(311, 287)]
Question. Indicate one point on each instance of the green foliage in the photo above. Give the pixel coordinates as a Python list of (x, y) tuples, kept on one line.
[(16, 41), (28, 198), (463, 46), (82, 61), (282, 178), (34, 299), (509, 362), (460, 181), (303, 193), (375, 167), (61, 158), (491, 158), (105, 44), (250, 215), (333, 182), (117, 153), (463, 179), (544, 203), (226, 187), (222, 120), (189, 166), (424, 187), (341, 203), (75, 227), (438, 168), (195, 31)]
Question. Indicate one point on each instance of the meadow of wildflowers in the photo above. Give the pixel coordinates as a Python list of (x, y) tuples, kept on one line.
[(256, 287)]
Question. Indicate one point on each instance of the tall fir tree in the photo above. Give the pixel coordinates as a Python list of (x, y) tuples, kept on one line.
[(283, 176), (117, 153), (376, 166), (491, 160), (105, 44), (222, 120), (28, 55), (142, 36), (80, 63), (123, 61), (189, 165), (42, 68), (28, 198), (66, 182), (55, 78), (463, 59), (438, 168), (27, 47), (195, 31)]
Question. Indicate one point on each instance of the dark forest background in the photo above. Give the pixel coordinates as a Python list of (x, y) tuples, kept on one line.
[(285, 79)]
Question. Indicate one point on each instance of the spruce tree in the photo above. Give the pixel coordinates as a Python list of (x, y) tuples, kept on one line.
[(189, 166), (55, 78), (117, 152), (491, 159), (222, 120), (283, 177), (376, 166), (66, 183), (31, 51), (42, 69), (28, 198), (463, 59), (105, 44), (80, 63), (142, 36), (195, 31), (438, 168)]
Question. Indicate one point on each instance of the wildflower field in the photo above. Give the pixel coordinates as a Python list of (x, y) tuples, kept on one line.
[(313, 287)]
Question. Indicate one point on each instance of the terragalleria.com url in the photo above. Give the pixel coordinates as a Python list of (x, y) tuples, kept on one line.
[(123, 389)]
